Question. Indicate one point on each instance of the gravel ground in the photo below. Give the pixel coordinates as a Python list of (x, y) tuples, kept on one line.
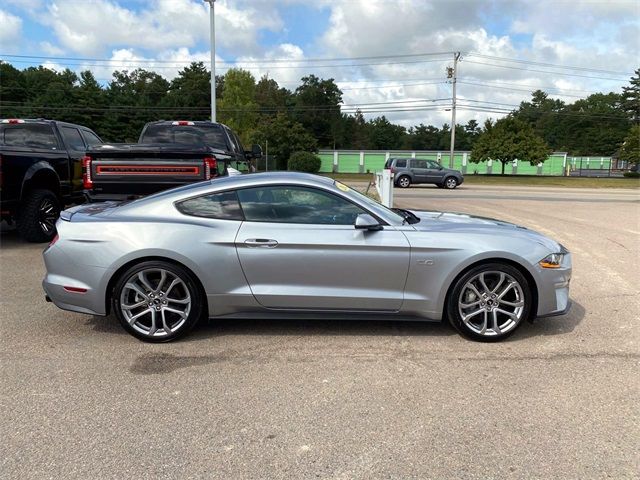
[(313, 399)]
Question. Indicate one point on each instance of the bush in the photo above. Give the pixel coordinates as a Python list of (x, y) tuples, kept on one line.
[(632, 174), (304, 162)]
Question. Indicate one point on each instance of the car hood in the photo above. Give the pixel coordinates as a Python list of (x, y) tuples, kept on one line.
[(465, 223)]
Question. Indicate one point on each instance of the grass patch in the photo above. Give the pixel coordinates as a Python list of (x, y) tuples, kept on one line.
[(572, 182)]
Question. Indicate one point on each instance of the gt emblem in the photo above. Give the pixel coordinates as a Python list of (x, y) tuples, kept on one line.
[(425, 262)]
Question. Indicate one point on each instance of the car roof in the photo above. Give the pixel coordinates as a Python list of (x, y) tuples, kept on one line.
[(236, 181)]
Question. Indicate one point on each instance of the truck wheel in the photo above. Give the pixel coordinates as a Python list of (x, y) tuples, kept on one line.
[(36, 219)]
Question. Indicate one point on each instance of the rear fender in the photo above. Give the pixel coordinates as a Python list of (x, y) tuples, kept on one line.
[(40, 175)]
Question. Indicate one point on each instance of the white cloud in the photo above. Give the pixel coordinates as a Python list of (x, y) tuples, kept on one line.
[(10, 31), (584, 34), (88, 27)]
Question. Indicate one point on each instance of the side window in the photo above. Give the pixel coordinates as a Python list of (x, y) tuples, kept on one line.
[(434, 165), (232, 139), (91, 138), (32, 135), (401, 163), (289, 204), (419, 163), (223, 206), (72, 138), (238, 143)]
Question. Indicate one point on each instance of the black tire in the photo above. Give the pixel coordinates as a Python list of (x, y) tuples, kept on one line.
[(450, 183), (191, 284), (37, 216), (453, 313), (403, 181)]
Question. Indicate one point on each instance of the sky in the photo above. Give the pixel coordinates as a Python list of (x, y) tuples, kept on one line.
[(388, 57)]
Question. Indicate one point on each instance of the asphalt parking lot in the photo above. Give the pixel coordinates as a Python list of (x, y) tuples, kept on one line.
[(303, 399)]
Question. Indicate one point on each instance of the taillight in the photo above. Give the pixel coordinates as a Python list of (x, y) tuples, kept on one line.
[(87, 182), (55, 239), (210, 167), (183, 123)]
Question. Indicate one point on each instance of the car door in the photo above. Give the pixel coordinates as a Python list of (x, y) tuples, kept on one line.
[(434, 172), (420, 170), (299, 250)]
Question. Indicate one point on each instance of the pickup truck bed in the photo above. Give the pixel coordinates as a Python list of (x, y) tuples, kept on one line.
[(120, 172), (168, 154)]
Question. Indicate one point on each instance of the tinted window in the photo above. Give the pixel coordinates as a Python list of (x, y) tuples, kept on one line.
[(210, 135), (433, 164), (91, 138), (417, 163), (218, 205), (401, 163), (72, 138), (283, 204), (30, 135)]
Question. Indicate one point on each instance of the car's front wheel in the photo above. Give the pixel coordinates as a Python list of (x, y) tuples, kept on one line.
[(489, 302), (404, 181), (450, 183), (157, 301)]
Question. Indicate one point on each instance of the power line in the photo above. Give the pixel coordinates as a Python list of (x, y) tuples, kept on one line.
[(134, 64), (546, 71), (543, 64), (222, 62)]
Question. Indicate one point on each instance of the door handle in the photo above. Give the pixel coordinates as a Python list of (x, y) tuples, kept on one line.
[(260, 243)]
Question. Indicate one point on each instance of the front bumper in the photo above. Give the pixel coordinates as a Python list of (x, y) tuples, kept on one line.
[(553, 289)]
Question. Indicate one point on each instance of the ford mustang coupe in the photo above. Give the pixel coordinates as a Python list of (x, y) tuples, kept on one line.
[(292, 245)]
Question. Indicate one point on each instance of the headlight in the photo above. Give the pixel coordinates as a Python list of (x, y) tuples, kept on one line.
[(553, 260)]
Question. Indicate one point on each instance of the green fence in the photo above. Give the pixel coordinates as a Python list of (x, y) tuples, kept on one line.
[(368, 161)]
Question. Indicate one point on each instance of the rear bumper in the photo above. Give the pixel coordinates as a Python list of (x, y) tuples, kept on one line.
[(86, 284)]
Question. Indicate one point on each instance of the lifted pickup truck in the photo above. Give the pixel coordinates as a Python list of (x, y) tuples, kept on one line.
[(168, 154), (40, 172)]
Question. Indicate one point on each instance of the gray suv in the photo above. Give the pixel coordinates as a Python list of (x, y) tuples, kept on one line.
[(417, 170)]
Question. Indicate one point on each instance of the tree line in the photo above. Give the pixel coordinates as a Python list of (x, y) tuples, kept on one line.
[(305, 118)]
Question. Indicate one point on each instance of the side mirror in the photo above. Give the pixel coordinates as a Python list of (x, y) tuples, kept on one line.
[(256, 151), (364, 221)]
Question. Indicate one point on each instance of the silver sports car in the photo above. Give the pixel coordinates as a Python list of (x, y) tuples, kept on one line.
[(294, 245)]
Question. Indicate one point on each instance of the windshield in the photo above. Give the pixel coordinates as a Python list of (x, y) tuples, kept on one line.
[(207, 135), (374, 206)]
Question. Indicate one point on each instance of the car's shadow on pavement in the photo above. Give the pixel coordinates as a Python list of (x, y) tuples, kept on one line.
[(214, 328), (552, 325)]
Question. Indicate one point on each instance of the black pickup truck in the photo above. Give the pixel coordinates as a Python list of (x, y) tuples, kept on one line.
[(40, 172), (168, 154)]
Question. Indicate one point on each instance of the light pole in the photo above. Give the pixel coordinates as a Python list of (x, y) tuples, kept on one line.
[(212, 27), (452, 73)]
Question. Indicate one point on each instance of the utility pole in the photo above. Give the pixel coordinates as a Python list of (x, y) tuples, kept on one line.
[(212, 27), (452, 74)]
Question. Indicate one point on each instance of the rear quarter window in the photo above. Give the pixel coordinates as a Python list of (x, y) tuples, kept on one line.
[(401, 163), (29, 135), (222, 206)]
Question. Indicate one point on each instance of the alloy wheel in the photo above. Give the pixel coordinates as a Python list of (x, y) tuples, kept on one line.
[(155, 302), (491, 303), (47, 216), (404, 182), (451, 182)]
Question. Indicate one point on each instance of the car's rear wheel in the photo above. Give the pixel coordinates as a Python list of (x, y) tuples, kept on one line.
[(489, 302), (403, 181), (450, 182), (157, 301), (36, 219)]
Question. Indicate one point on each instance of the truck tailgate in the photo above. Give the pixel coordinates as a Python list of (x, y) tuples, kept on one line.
[(151, 170)]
